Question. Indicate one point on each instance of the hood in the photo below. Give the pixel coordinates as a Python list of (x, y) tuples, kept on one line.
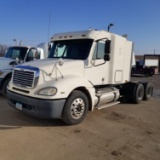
[(49, 65), (4, 63)]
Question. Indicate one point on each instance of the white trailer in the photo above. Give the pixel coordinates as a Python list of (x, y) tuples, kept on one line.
[(86, 70)]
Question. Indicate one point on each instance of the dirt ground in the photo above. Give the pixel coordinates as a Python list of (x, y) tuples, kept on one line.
[(121, 132)]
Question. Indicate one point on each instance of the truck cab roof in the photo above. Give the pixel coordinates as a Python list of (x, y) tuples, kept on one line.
[(86, 34)]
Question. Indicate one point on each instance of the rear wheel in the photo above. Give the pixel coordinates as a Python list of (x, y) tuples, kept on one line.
[(138, 94), (76, 108), (148, 91)]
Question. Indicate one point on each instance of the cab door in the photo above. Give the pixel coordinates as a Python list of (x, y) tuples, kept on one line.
[(97, 73)]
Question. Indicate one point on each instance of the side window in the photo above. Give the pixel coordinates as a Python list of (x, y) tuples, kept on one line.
[(33, 54), (99, 51)]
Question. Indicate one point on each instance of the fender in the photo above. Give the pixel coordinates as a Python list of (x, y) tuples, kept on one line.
[(5, 72), (66, 85)]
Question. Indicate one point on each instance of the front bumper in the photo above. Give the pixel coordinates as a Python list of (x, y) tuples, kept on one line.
[(36, 107)]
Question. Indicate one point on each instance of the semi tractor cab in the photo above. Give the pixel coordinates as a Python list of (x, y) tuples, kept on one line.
[(14, 56), (85, 70)]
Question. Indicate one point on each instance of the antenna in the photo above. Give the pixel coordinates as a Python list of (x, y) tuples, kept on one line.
[(49, 23)]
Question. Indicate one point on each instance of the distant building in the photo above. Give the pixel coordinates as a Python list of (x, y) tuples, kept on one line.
[(149, 60), (139, 59)]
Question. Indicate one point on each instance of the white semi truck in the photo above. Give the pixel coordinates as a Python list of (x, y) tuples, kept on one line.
[(85, 70), (17, 55)]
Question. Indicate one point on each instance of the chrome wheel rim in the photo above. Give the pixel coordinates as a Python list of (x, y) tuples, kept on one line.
[(77, 108), (140, 94)]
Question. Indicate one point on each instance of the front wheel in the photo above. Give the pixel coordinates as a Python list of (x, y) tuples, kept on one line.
[(4, 86), (76, 108)]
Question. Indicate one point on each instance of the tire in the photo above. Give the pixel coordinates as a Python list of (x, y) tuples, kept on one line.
[(148, 91), (138, 94), (4, 87), (76, 108)]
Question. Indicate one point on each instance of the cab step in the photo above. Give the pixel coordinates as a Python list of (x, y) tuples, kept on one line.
[(107, 105)]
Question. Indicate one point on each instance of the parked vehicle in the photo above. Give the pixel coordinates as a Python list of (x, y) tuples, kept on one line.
[(17, 55), (139, 69), (85, 70)]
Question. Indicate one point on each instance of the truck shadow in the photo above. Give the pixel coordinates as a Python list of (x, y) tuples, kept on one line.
[(11, 118), (16, 120), (19, 120)]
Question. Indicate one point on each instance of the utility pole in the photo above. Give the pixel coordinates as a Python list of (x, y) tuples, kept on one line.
[(20, 43)]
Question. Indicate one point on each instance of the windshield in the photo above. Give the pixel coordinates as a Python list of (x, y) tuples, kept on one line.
[(16, 52), (71, 49)]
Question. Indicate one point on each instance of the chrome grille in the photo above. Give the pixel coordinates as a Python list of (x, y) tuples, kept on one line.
[(23, 77)]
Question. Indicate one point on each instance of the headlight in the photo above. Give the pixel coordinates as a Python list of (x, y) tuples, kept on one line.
[(48, 91)]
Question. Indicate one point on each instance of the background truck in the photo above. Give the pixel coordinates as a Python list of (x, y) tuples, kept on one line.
[(85, 70), (142, 70), (17, 55)]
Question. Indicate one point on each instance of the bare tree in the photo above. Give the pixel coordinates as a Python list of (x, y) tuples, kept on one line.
[(3, 49)]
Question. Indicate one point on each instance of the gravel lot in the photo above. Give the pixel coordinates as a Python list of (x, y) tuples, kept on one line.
[(121, 132)]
